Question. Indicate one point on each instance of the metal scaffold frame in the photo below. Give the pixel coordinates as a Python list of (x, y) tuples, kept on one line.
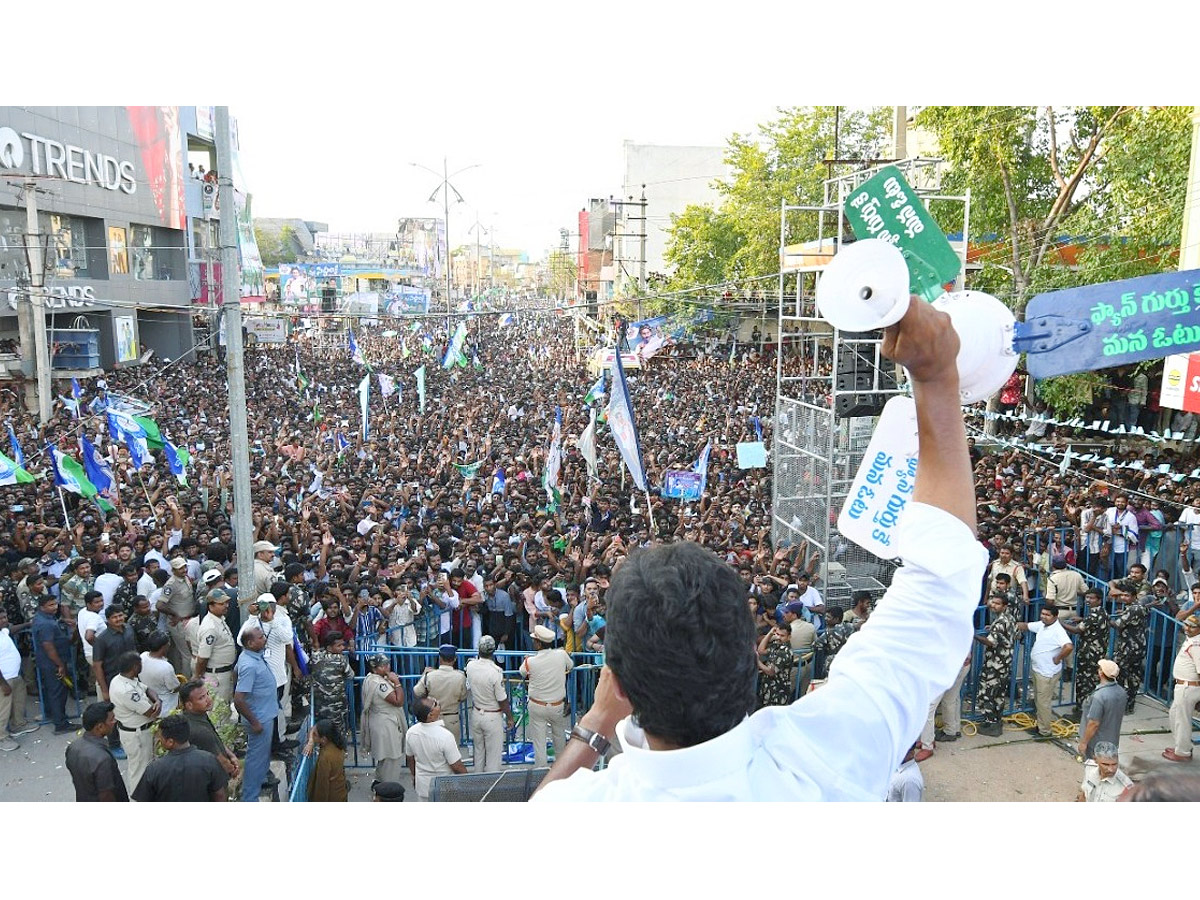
[(816, 453)]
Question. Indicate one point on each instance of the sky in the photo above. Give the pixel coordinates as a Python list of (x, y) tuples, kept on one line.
[(335, 101)]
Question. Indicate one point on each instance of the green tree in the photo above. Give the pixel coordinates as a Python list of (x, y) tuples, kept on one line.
[(275, 247), (1029, 170), (785, 162)]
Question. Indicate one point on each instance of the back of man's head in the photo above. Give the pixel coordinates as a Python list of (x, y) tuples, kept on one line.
[(680, 639)]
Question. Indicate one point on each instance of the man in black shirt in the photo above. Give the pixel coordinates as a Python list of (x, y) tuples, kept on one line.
[(107, 649), (92, 766), (186, 774), (194, 703)]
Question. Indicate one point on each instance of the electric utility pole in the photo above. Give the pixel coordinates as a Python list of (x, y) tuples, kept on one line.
[(446, 187), (35, 328), (231, 305)]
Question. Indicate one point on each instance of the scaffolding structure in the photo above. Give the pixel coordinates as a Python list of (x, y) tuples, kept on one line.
[(816, 452)]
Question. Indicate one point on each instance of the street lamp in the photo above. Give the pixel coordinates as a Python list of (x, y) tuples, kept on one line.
[(446, 187)]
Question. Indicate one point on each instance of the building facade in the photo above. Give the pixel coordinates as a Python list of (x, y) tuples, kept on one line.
[(113, 221)]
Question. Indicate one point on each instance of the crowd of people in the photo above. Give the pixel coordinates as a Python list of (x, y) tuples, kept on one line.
[(434, 529)]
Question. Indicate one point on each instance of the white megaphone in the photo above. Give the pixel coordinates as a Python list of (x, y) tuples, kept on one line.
[(865, 287)]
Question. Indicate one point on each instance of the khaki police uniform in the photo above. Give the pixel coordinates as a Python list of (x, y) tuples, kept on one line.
[(448, 686), (547, 673), (180, 599), (131, 702), (1186, 673), (219, 651), (486, 683)]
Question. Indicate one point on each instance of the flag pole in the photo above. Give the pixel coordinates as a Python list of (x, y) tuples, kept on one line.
[(63, 501), (649, 511), (142, 481)]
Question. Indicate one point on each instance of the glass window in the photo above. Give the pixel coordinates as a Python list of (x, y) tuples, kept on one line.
[(68, 244), (118, 256), (143, 251)]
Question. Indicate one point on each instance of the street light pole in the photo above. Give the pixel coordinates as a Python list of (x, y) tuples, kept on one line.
[(446, 187)]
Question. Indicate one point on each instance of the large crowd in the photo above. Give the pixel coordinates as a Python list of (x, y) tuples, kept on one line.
[(436, 529)]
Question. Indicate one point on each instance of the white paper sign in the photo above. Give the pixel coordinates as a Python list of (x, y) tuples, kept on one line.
[(884, 484)]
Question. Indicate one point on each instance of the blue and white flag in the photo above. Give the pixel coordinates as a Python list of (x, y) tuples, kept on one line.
[(68, 474), (127, 430), (498, 481), (595, 392), (506, 320), (341, 443), (757, 422), (17, 455), (554, 463), (387, 385), (702, 466), (364, 395), (77, 395), (97, 467), (622, 424), (355, 354), (177, 459)]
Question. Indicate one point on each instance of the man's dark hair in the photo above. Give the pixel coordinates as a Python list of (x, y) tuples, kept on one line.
[(96, 714), (1165, 787), (682, 643), (127, 661), (188, 688), (175, 728), (422, 708), (157, 640), (115, 609), (836, 611)]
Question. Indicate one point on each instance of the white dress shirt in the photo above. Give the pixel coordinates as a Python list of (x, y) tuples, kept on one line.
[(159, 676), (846, 740)]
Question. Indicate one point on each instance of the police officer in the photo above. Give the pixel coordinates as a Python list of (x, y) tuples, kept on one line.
[(489, 703), (330, 673), (52, 652), (136, 707), (1186, 673), (216, 650), (179, 603), (999, 641), (1130, 622), (1090, 649), (547, 673), (447, 685)]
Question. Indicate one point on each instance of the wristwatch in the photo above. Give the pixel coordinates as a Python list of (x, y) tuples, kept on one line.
[(596, 741)]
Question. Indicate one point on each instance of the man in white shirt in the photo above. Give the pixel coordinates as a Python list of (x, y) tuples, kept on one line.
[(684, 717), (430, 748), (1124, 535), (157, 672), (12, 687), (1190, 520), (814, 606), (108, 581), (1051, 646), (1096, 527), (145, 582), (90, 621)]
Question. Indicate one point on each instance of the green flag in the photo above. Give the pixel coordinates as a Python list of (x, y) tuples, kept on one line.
[(11, 473), (153, 438), (468, 471), (105, 506), (317, 417), (303, 382)]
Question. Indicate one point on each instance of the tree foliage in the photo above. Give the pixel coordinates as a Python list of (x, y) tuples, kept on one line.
[(785, 162), (275, 247)]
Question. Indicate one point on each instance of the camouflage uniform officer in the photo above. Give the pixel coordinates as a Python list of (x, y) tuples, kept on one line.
[(144, 622), (299, 602), (832, 639), (126, 593), (1091, 648), (1000, 641), (330, 672), (1130, 623), (71, 592)]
